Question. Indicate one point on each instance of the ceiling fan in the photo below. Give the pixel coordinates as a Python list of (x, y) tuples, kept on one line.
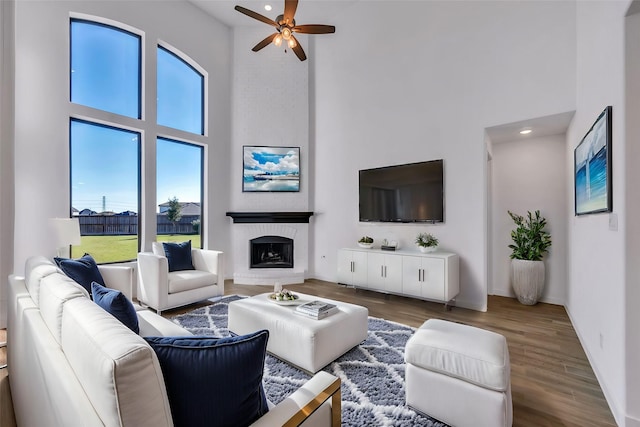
[(286, 26)]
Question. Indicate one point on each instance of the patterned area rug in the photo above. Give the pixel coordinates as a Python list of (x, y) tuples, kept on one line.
[(372, 374)]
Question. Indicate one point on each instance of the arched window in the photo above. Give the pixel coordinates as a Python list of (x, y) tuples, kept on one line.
[(180, 93), (107, 141)]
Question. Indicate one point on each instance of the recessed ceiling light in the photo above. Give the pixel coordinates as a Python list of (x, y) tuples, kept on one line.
[(267, 7), (525, 131)]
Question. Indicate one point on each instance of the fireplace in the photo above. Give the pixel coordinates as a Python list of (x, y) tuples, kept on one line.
[(271, 252)]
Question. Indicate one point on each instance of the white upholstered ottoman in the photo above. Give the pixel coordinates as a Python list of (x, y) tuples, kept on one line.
[(306, 343), (459, 374)]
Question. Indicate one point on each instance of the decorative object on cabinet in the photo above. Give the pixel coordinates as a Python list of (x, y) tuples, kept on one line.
[(271, 169), (426, 242), (592, 168), (530, 243), (365, 242), (389, 246)]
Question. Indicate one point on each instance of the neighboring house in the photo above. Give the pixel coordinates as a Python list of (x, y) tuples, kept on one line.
[(186, 208)]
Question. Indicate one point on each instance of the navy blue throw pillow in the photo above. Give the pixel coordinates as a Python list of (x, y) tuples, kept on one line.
[(213, 381), (178, 255), (116, 304), (82, 270)]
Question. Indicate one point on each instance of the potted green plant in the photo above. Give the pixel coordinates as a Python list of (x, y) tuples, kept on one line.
[(365, 242), (530, 243), (426, 242)]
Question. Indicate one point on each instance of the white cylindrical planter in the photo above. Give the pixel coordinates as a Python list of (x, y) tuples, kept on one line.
[(527, 280)]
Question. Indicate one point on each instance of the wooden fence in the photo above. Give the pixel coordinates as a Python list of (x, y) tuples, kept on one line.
[(100, 225)]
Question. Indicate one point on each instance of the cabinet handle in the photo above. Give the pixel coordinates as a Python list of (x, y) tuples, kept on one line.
[(382, 271), (423, 275), (385, 271), (352, 267)]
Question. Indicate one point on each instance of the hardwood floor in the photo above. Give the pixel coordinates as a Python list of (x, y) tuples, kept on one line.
[(552, 382), (551, 379)]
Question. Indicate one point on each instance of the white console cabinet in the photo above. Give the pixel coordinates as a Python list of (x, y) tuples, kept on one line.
[(431, 276), (352, 268)]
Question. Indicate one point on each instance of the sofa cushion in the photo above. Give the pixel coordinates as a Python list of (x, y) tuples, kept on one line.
[(185, 280), (36, 268), (178, 255), (83, 270), (116, 304), (214, 381), (55, 290), (152, 325)]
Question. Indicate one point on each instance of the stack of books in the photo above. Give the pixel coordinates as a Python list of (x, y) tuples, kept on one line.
[(316, 309)]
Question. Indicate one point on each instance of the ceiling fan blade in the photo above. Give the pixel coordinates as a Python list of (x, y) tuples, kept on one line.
[(314, 29), (298, 50), (257, 16), (264, 42), (290, 7)]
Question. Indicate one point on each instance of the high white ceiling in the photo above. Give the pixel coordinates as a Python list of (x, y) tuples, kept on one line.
[(308, 12)]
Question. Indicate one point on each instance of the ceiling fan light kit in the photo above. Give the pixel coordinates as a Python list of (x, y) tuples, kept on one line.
[(285, 27)]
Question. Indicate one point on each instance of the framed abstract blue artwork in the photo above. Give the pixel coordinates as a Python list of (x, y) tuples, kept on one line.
[(593, 167), (270, 169)]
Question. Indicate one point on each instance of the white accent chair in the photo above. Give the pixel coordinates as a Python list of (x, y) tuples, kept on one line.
[(162, 290)]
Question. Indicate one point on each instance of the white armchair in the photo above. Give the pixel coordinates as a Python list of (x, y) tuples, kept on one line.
[(161, 290)]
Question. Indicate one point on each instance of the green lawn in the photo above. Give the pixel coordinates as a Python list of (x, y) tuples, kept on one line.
[(122, 248)]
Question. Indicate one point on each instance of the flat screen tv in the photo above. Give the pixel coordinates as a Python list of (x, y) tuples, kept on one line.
[(404, 193)]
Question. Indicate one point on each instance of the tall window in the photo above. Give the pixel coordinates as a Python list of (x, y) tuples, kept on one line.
[(105, 164), (106, 146), (105, 68), (180, 93), (179, 195)]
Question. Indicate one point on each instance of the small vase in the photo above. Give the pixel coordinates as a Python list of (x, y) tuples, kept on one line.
[(527, 280), (427, 249), (365, 245)]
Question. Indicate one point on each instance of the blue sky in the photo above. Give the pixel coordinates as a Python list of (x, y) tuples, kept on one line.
[(105, 160)]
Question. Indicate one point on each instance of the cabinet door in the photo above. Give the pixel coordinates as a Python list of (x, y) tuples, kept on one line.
[(375, 271), (433, 278), (345, 267), (360, 262), (412, 275), (393, 273)]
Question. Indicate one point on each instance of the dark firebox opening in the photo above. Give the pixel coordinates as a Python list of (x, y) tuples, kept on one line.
[(271, 252)]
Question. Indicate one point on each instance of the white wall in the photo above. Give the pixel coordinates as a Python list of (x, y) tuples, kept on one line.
[(42, 110), (423, 90), (597, 286), (632, 175), (529, 175)]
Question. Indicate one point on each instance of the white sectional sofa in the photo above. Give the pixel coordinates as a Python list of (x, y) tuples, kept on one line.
[(73, 364)]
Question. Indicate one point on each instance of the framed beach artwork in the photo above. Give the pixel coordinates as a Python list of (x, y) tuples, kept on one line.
[(592, 168), (270, 169)]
